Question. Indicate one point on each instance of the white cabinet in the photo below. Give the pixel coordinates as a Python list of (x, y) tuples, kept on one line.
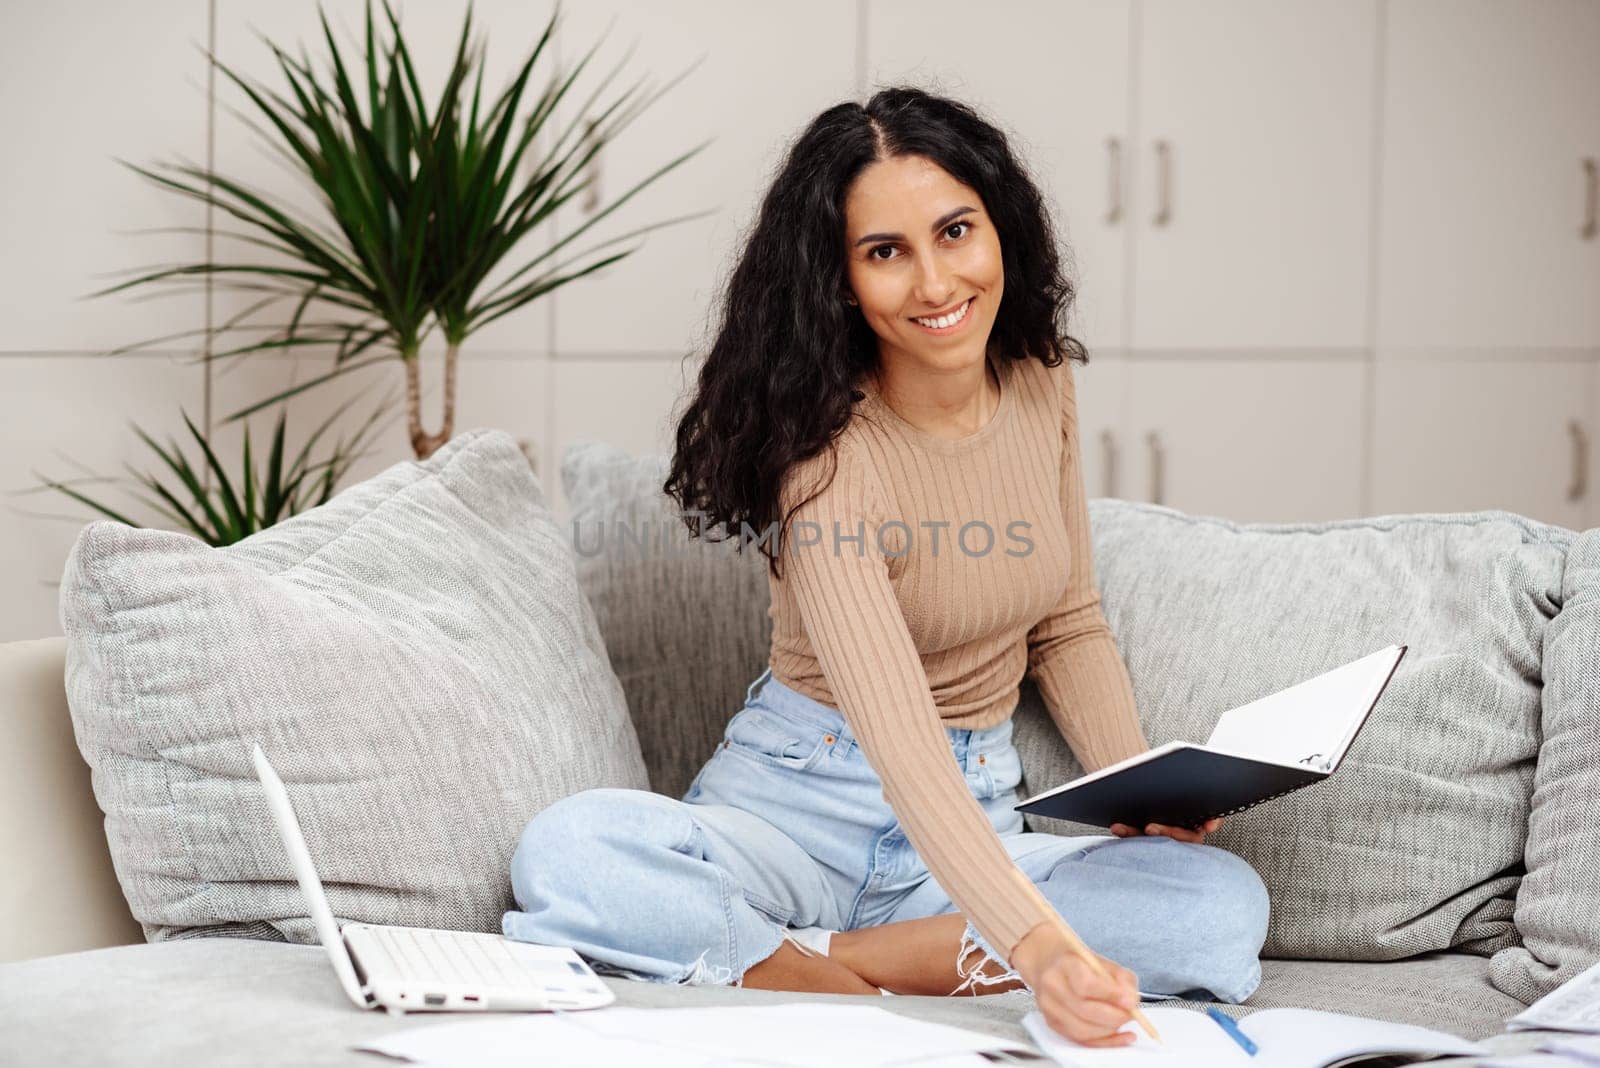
[(1491, 140), (1251, 440), (1466, 433), (1253, 174), (1055, 78), (764, 72), (632, 403), (509, 28), (70, 419), (1102, 389), (1584, 482), (84, 85)]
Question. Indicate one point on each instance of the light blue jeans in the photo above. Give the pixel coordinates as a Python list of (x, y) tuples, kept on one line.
[(786, 825)]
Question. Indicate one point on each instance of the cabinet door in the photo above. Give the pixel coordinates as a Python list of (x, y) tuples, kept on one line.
[(1055, 78), (509, 30), (1584, 485), (1102, 388), (1491, 108), (764, 73), (1252, 440), (629, 402), (1254, 174), (87, 85), (70, 418), (1464, 434)]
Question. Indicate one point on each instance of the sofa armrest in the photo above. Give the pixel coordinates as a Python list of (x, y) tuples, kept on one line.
[(58, 891)]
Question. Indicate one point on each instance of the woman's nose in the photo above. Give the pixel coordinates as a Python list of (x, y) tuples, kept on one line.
[(934, 288)]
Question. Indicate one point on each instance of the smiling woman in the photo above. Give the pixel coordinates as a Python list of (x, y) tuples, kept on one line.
[(890, 392), (932, 300)]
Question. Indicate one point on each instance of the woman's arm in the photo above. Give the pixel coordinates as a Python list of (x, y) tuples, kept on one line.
[(850, 613), (1072, 655)]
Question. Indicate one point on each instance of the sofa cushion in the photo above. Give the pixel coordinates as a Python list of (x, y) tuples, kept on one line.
[(1559, 900), (237, 1001), (416, 658), (1416, 843), (685, 620)]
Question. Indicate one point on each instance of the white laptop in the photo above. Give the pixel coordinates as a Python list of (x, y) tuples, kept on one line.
[(417, 969)]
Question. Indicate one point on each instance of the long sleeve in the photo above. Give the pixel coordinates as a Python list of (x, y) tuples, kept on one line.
[(849, 611), (1072, 655)]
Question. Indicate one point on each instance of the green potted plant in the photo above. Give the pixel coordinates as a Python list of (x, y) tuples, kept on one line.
[(270, 487), (418, 202)]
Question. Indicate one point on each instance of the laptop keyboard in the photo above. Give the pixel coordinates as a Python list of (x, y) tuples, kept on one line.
[(419, 955)]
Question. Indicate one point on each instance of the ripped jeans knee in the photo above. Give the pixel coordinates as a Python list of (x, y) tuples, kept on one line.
[(980, 972)]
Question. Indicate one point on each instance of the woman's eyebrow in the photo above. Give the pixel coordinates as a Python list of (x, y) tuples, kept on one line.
[(939, 224)]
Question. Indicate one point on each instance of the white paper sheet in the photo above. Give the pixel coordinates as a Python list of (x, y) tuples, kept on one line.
[(1572, 1006), (792, 1035), (1287, 1038)]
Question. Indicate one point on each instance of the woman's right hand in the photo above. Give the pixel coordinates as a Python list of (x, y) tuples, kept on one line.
[(1074, 1000)]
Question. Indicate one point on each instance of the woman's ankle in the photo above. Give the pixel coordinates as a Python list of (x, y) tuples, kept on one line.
[(790, 968)]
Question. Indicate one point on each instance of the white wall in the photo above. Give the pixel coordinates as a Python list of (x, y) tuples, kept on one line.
[(1317, 331)]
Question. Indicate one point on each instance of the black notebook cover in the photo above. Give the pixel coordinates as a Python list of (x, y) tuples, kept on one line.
[(1182, 788), (1188, 784)]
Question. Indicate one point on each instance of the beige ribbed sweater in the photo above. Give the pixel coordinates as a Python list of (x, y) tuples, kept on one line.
[(932, 631)]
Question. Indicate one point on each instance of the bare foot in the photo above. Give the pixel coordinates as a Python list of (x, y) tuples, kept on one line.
[(916, 957), (791, 969)]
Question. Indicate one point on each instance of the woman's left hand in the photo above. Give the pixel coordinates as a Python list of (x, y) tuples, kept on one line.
[(1182, 834)]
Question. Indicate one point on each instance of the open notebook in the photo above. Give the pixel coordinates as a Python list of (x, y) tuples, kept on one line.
[(1256, 752), (1285, 1038)]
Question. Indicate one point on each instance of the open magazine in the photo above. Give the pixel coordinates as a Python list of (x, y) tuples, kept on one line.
[(1256, 752)]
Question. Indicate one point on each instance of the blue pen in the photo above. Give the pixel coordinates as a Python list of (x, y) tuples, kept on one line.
[(1225, 1022)]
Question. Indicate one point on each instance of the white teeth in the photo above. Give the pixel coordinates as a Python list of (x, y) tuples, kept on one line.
[(948, 320)]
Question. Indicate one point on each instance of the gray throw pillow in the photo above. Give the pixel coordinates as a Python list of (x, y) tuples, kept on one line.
[(1416, 842), (685, 620), (1558, 905), (416, 658)]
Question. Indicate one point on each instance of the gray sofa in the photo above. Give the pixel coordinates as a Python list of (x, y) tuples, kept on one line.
[(1445, 875)]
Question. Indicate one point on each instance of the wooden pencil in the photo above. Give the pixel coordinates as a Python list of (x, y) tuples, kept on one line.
[(1077, 944)]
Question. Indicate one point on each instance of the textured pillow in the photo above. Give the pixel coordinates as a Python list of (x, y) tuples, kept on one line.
[(416, 658), (685, 620), (1558, 905), (1416, 843)]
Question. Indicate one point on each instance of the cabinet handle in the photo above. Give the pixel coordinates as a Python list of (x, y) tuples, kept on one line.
[(591, 194), (1108, 442), (1158, 464), (1163, 184), (1591, 177), (1580, 461), (1114, 178)]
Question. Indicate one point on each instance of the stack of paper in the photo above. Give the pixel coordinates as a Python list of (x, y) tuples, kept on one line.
[(793, 1035)]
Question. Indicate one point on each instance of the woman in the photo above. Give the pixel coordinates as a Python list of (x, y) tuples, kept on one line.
[(889, 413)]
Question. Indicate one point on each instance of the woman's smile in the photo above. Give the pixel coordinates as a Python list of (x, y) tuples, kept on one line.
[(961, 316)]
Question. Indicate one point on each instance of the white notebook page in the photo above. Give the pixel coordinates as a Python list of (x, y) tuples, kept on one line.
[(1311, 722)]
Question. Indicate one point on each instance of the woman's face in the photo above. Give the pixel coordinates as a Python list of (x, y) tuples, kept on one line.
[(918, 243)]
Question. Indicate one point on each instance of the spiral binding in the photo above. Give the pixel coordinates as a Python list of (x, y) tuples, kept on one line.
[(1262, 801)]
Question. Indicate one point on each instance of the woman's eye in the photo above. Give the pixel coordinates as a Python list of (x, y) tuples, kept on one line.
[(966, 226)]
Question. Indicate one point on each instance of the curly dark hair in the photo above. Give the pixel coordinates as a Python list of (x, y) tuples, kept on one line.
[(778, 383)]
